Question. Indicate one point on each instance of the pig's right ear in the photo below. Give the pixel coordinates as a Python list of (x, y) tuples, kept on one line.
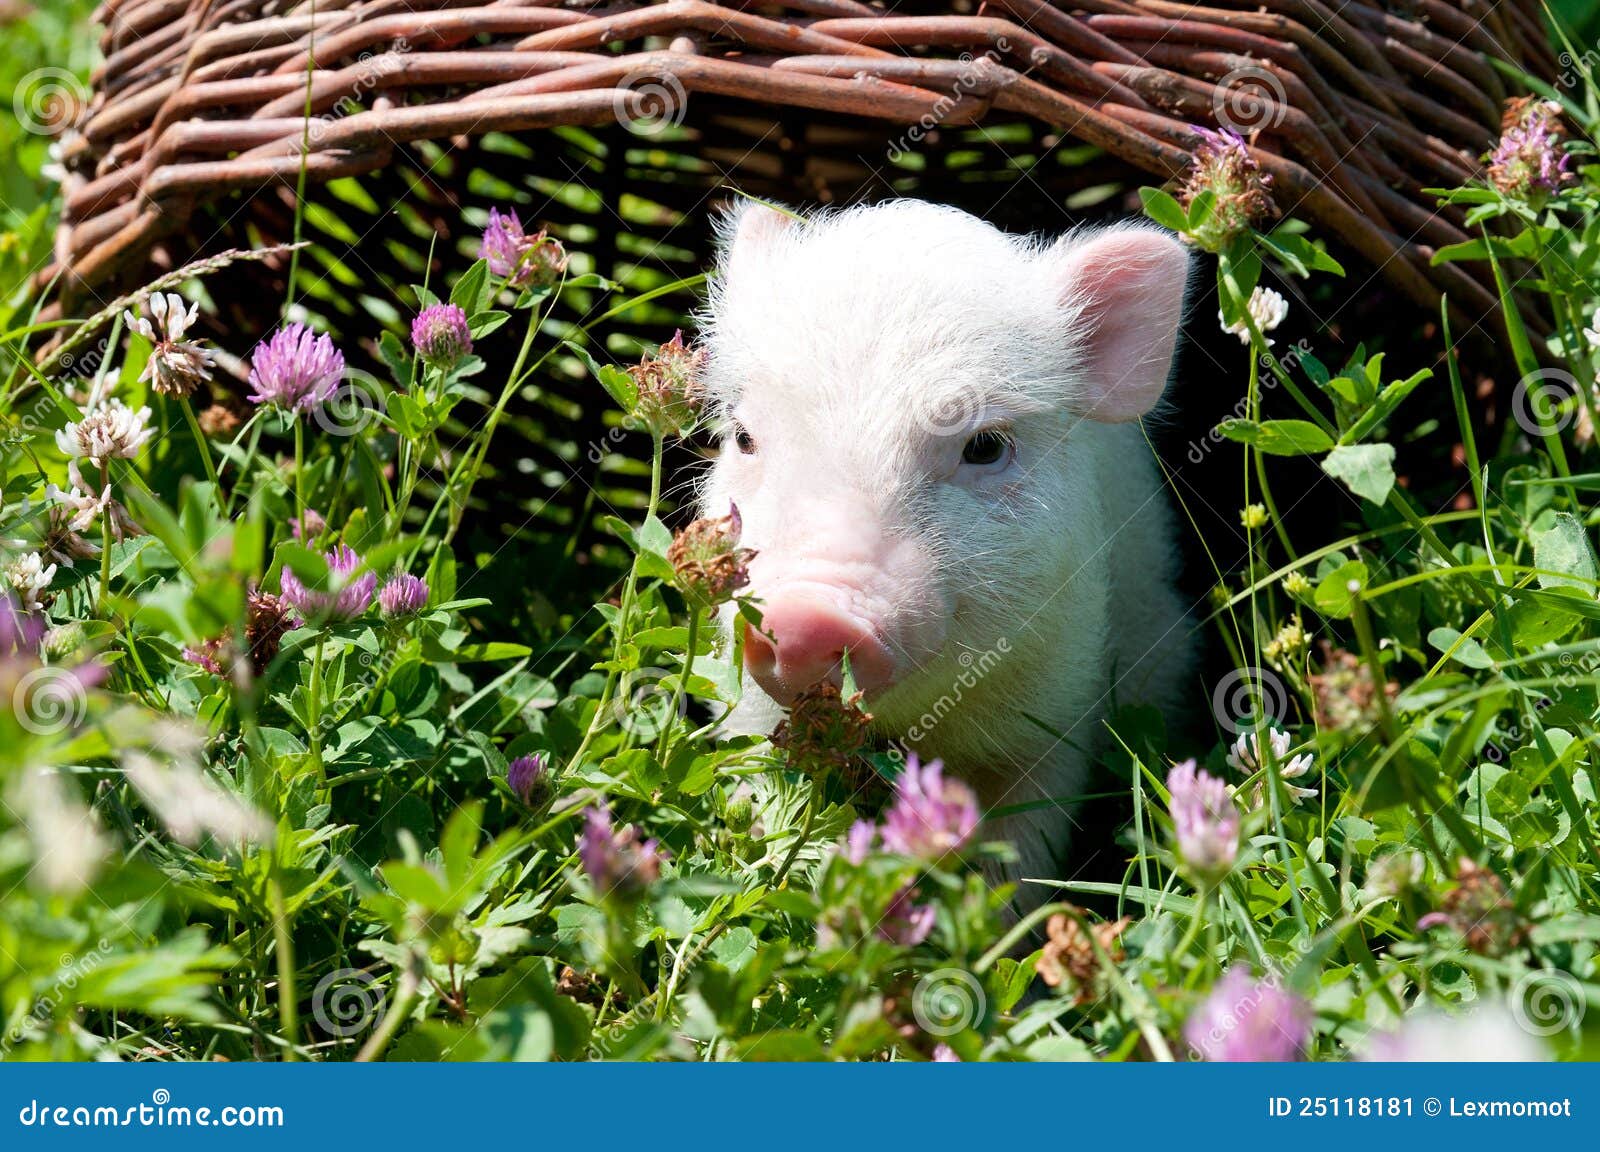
[(748, 229), (1125, 289)]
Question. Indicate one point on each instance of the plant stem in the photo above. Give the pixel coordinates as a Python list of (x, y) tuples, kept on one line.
[(299, 469), (314, 711), (288, 1008), (678, 690), (105, 537), (480, 452), (405, 999), (204, 446), (305, 162), (624, 612)]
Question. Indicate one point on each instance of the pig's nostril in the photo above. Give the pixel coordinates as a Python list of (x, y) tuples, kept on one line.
[(759, 654), (812, 637)]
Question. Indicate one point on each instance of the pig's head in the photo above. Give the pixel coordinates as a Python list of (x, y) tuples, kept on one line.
[(903, 390)]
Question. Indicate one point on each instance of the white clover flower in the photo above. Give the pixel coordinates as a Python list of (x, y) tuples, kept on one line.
[(1290, 640), (1489, 1033), (1266, 307), (192, 805), (30, 577), (79, 499), (108, 430), (67, 841), (1246, 758), (176, 366), (1396, 873), (73, 511), (55, 169)]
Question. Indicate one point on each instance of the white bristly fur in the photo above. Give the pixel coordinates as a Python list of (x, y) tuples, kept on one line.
[(861, 348)]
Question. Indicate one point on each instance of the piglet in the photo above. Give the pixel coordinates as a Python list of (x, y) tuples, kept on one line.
[(931, 433)]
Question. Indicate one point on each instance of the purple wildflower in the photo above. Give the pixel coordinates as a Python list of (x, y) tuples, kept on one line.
[(670, 389), (944, 1054), (710, 565), (1245, 1020), (308, 526), (521, 260), (21, 632), (1205, 819), (295, 369), (529, 779), (208, 656), (931, 817), (347, 600), (617, 862), (441, 335), (904, 922), (858, 842), (1528, 163), (403, 595), (1241, 192)]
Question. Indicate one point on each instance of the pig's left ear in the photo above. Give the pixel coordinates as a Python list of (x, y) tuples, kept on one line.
[(1125, 287)]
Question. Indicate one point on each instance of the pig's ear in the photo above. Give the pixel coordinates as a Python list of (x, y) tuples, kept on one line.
[(748, 229), (1125, 286)]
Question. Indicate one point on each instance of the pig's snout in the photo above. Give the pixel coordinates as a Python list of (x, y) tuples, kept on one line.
[(812, 636)]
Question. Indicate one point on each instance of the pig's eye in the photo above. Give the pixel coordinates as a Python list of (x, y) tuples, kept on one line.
[(990, 446), (745, 441)]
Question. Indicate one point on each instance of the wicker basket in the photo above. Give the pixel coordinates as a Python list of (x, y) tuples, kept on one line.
[(1353, 107), (618, 124)]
